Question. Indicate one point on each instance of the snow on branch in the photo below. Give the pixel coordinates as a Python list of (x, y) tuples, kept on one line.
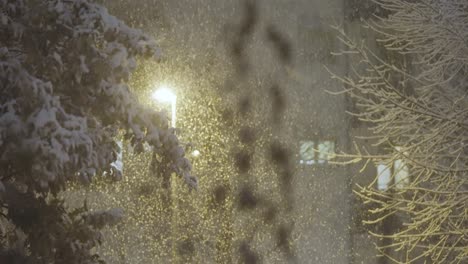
[(412, 95), (63, 70)]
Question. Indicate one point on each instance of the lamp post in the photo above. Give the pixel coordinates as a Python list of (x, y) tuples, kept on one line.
[(164, 95)]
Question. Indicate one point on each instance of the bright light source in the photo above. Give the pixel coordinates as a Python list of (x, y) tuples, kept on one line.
[(384, 177), (196, 153), (164, 94)]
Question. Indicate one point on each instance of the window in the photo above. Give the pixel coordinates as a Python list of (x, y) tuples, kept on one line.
[(384, 177), (307, 152), (326, 151), (118, 163), (400, 174), (321, 152)]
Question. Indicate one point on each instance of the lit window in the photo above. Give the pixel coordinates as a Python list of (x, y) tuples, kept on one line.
[(307, 152), (326, 151), (384, 177), (118, 163), (401, 174)]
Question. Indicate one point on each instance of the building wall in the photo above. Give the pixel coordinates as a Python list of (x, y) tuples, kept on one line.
[(322, 190)]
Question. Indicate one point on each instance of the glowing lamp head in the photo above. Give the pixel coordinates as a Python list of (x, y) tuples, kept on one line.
[(164, 94)]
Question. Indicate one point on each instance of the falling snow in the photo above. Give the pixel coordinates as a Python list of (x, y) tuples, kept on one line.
[(292, 132)]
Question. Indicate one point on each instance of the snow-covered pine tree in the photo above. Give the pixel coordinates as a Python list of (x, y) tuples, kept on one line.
[(63, 99)]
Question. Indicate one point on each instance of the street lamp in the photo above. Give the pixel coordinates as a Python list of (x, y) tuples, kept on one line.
[(164, 95)]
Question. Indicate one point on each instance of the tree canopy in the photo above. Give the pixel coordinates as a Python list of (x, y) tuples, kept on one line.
[(411, 94), (63, 100)]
